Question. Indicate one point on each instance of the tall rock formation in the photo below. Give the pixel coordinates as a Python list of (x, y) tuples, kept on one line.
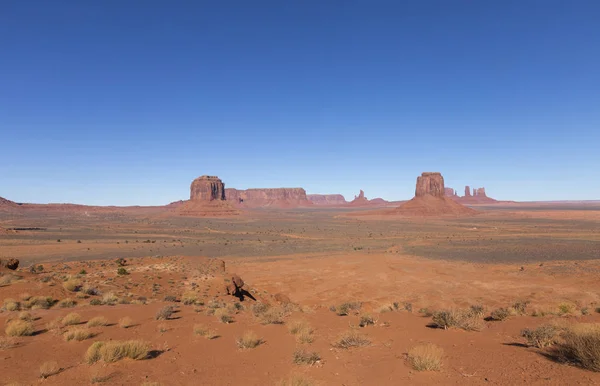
[(449, 192), (480, 192), (207, 188), (274, 197), (478, 196), (430, 183), (467, 191)]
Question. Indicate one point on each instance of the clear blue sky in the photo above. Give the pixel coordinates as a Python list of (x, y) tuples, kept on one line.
[(126, 102)]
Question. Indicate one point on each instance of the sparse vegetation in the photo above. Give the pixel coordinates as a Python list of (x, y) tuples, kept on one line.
[(297, 380), (303, 357), (520, 307), (164, 313), (122, 271), (97, 321), (426, 357), (26, 316), (345, 308), (580, 345), (249, 340), (273, 315), (302, 330), (48, 369), (202, 330), (366, 320), (566, 309), (72, 285), (351, 339), (541, 337), (19, 328), (464, 319), (500, 314), (223, 315), (71, 319), (110, 299), (67, 303), (78, 334), (113, 351), (125, 322), (7, 343), (189, 298)]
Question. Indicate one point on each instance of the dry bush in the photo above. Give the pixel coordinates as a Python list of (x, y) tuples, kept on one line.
[(71, 319), (189, 298), (297, 380), (25, 296), (72, 285), (580, 345), (67, 303), (345, 308), (426, 357), (78, 334), (7, 342), (19, 328), (8, 278), (273, 315), (11, 305), (97, 321), (164, 313), (302, 330), (566, 309), (366, 320), (223, 316), (202, 330), (303, 357), (40, 302), (26, 316), (350, 339), (259, 308), (49, 368), (464, 319), (500, 314), (520, 307), (249, 340), (125, 322), (113, 351), (110, 299), (541, 337)]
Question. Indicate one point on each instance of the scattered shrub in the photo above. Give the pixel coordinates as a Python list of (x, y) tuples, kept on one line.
[(202, 330), (113, 351), (90, 291), (366, 320), (541, 337), (520, 307), (71, 319), (302, 330), (26, 316), (189, 298), (19, 328), (464, 319), (11, 305), (297, 380), (122, 271), (223, 316), (249, 340), (259, 308), (500, 314), (345, 308), (477, 310), (566, 309), (426, 357), (273, 315), (580, 345), (78, 334), (110, 299), (351, 339), (125, 322), (97, 321), (40, 302), (170, 298), (96, 302), (72, 285), (165, 313), (49, 368), (121, 262), (303, 357), (67, 303)]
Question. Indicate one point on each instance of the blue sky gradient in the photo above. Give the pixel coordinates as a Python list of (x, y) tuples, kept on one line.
[(126, 102)]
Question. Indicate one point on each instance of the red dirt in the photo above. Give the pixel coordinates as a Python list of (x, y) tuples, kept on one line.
[(424, 206)]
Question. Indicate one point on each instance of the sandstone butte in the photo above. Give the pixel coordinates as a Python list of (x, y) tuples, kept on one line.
[(268, 197), (327, 199), (207, 199), (478, 196)]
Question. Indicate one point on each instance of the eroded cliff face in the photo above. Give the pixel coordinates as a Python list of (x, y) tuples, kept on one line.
[(327, 199), (430, 183), (472, 196), (276, 197), (207, 188), (449, 192)]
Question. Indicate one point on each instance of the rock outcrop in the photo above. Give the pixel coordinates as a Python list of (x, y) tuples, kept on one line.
[(207, 188), (359, 200), (430, 183), (449, 192), (270, 197), (11, 264), (235, 286), (472, 196), (467, 191), (327, 199)]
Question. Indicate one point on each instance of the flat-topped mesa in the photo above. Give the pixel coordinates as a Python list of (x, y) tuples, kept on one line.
[(327, 199), (276, 197), (479, 192), (430, 183), (207, 188), (449, 192)]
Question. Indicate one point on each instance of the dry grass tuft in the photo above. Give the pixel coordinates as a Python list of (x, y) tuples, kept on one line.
[(500, 314), (346, 308), (116, 350), (303, 357), (465, 319), (67, 303), (49, 368), (40, 302), (72, 285), (249, 340), (302, 330), (164, 313), (71, 319), (297, 380), (566, 309), (125, 322), (202, 330), (110, 299), (223, 316), (189, 298), (97, 321), (273, 315), (541, 337), (11, 305), (19, 328), (366, 320), (78, 334), (350, 339), (26, 316), (426, 357), (580, 345)]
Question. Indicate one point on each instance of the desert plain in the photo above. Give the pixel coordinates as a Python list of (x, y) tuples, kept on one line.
[(330, 296)]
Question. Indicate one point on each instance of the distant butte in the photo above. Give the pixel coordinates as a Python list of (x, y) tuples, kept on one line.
[(478, 196)]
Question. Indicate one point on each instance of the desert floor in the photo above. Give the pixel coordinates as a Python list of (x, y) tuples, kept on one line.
[(299, 267)]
